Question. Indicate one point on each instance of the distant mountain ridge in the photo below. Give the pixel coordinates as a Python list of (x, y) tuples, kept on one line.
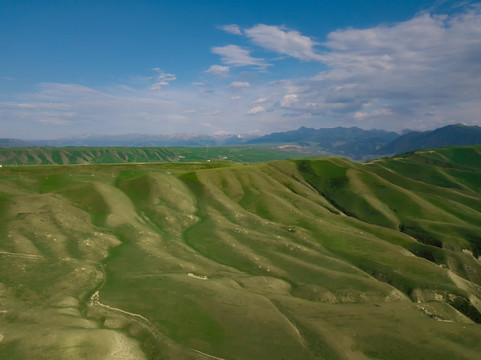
[(451, 135), (146, 140), (351, 142), (8, 143)]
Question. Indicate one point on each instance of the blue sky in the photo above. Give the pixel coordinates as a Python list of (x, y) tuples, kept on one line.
[(114, 67)]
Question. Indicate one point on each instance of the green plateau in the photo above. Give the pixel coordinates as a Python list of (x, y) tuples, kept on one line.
[(318, 258)]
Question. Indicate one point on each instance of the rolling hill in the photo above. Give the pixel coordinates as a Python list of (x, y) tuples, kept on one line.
[(353, 143), (295, 259), (83, 155)]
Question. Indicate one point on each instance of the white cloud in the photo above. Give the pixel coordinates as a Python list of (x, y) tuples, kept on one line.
[(218, 70), (161, 79), (289, 100), (239, 84), (236, 56), (175, 118), (256, 110), (213, 113), (222, 133), (232, 29), (359, 115), (421, 73), (46, 112), (199, 84), (260, 100), (284, 41), (396, 76), (54, 121)]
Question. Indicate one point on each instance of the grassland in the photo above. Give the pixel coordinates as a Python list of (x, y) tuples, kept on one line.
[(84, 155), (295, 259)]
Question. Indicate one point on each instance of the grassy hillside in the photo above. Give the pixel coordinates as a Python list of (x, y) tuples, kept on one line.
[(115, 155), (294, 259)]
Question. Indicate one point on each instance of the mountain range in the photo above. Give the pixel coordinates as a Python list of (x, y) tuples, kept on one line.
[(353, 142), (450, 135)]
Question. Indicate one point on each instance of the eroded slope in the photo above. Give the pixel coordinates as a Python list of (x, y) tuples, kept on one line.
[(316, 259)]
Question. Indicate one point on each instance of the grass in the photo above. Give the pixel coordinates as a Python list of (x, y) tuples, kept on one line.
[(116, 155), (294, 259)]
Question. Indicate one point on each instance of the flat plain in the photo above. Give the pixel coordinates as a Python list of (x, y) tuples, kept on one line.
[(295, 259)]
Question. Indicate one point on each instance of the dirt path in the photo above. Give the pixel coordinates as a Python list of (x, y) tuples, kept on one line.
[(22, 256), (207, 355)]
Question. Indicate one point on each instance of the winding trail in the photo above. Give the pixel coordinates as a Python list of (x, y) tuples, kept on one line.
[(140, 320)]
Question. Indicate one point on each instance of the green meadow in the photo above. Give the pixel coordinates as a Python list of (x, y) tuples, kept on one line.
[(84, 155), (292, 259)]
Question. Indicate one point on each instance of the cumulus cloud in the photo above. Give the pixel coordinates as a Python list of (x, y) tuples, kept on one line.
[(426, 65), (239, 84), (256, 110), (289, 100), (284, 41), (236, 56), (218, 70), (232, 29)]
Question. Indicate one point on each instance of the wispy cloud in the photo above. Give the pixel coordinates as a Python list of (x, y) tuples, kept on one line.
[(239, 84), (213, 113), (284, 41), (260, 100), (236, 56), (231, 29), (256, 110), (218, 70), (161, 79)]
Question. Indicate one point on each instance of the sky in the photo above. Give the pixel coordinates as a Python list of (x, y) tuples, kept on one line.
[(71, 68)]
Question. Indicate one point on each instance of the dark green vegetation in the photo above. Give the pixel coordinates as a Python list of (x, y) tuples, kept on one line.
[(293, 259), (115, 155)]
